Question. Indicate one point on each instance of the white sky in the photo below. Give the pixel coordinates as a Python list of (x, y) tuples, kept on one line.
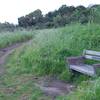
[(10, 10)]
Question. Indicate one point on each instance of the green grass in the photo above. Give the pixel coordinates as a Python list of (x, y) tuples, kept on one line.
[(46, 56), (10, 38), (19, 88), (88, 90)]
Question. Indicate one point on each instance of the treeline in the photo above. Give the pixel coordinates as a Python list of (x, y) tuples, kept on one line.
[(7, 27), (58, 18)]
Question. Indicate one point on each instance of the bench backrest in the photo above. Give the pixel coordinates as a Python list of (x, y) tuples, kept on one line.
[(89, 54)]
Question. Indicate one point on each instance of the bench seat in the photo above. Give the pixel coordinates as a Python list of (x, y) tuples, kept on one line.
[(85, 69)]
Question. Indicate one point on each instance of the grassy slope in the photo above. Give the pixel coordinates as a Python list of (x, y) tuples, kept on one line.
[(45, 56), (50, 47)]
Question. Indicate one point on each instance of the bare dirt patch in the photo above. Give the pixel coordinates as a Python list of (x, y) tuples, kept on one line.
[(53, 87)]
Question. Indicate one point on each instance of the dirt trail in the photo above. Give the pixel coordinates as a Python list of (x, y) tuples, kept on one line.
[(3, 55), (7, 51), (54, 87)]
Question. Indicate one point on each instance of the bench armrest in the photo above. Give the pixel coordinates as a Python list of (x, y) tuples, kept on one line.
[(75, 60), (96, 65)]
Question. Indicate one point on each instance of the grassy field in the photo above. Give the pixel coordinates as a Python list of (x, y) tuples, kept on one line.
[(9, 38), (45, 56), (50, 47)]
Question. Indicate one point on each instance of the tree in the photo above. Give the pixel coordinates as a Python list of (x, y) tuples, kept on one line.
[(31, 19), (95, 14), (64, 15), (59, 21)]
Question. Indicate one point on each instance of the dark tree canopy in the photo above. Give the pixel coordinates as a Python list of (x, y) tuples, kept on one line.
[(64, 15)]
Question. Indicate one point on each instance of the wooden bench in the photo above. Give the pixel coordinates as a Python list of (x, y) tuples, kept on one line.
[(78, 64)]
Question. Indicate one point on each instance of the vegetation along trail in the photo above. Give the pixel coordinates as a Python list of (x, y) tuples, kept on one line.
[(7, 51), (36, 69), (49, 86)]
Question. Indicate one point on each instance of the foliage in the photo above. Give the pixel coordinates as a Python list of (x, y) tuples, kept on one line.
[(31, 19), (9, 38), (64, 15), (4, 27), (45, 56), (51, 47)]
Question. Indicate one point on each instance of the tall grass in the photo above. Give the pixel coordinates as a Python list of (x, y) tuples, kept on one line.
[(45, 56), (10, 38)]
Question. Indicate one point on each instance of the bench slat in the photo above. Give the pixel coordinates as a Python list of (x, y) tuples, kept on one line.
[(85, 69), (92, 57), (90, 52)]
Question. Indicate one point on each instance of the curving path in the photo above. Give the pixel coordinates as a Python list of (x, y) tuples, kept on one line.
[(7, 51), (50, 87)]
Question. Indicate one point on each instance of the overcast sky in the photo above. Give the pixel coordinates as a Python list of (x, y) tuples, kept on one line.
[(10, 10)]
